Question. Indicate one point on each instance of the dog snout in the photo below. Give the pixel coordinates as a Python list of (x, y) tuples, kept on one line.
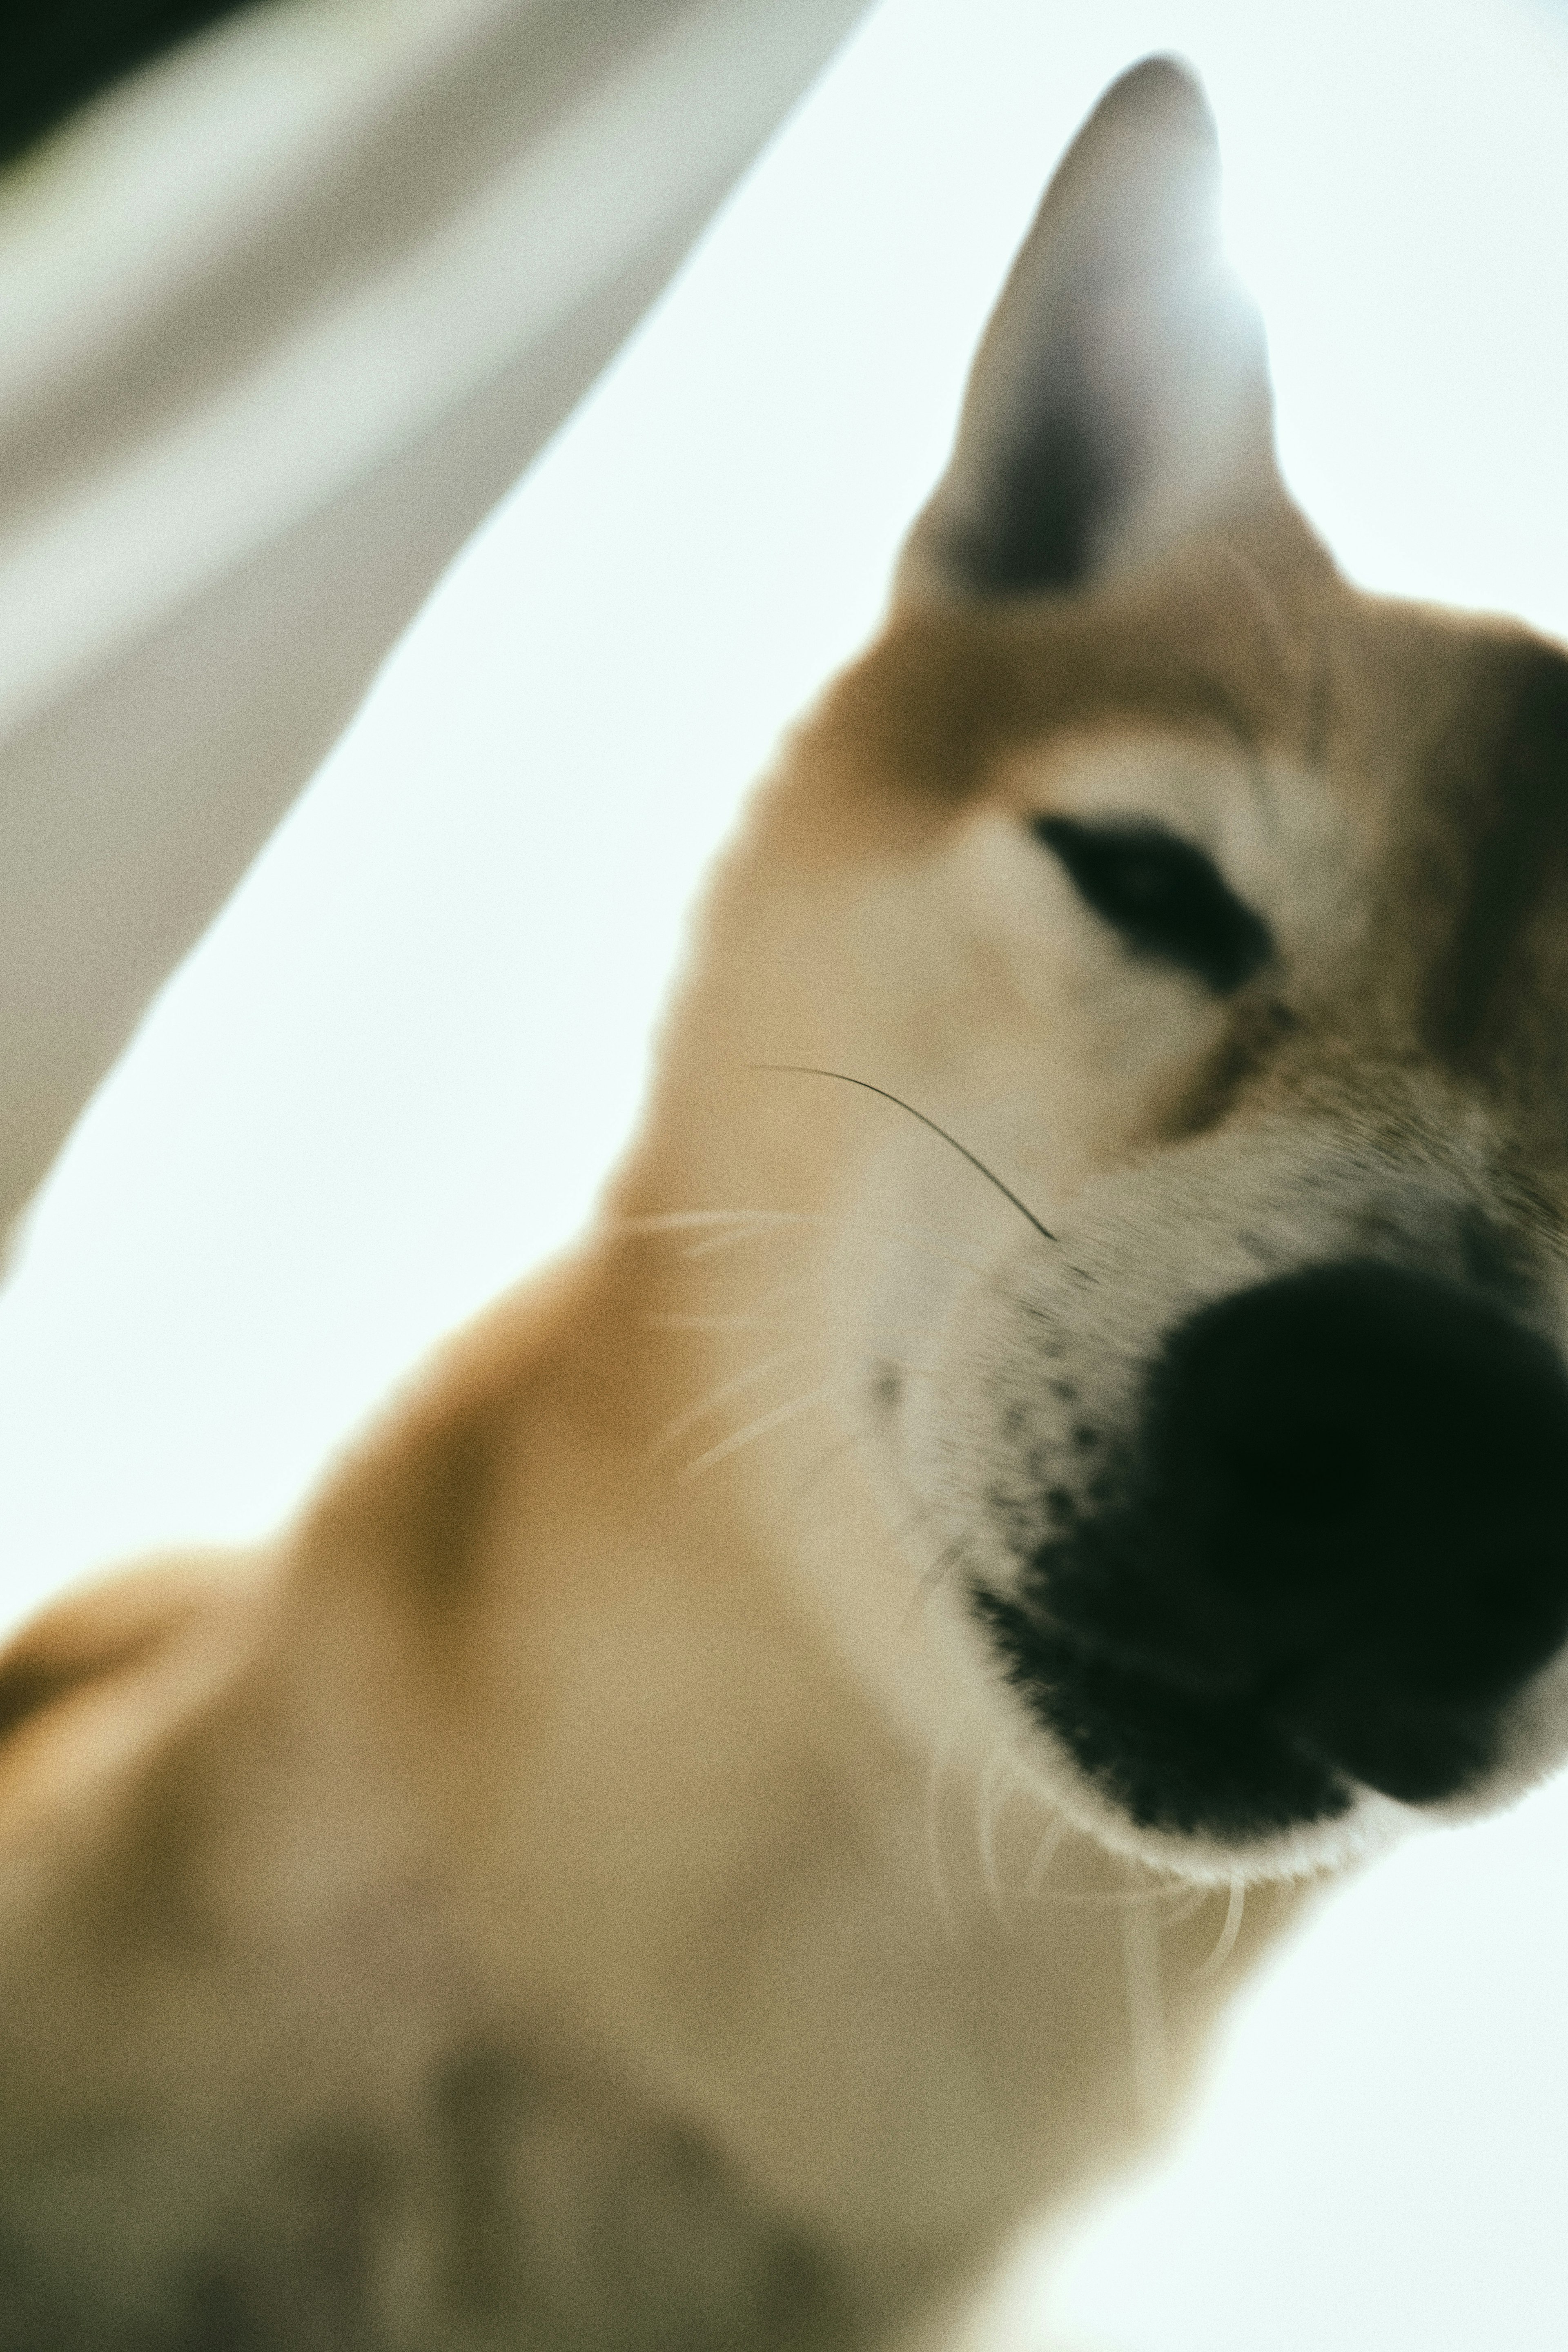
[(1360, 1474)]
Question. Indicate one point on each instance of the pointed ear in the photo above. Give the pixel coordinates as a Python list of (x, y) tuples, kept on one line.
[(1119, 402)]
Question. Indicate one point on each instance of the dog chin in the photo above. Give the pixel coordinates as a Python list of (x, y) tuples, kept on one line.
[(1369, 1824)]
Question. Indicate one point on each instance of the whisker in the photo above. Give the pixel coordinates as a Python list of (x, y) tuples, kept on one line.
[(684, 1421), (911, 1524), (1046, 1854), (755, 1429), (675, 1221), (755, 1224), (991, 1802), (913, 1242), (808, 1070), (718, 1323), (1228, 1934), (1145, 2009), (930, 1580), (1109, 1896), (736, 1238)]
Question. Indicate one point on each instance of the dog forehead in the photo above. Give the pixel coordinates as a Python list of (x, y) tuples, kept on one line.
[(1413, 759), (1212, 647), (1425, 728)]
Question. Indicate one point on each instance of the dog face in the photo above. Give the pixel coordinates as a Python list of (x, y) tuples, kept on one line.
[(1222, 913)]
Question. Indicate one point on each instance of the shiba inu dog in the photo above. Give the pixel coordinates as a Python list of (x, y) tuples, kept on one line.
[(746, 1790)]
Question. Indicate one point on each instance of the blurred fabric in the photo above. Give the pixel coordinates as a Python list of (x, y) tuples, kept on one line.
[(286, 311), (59, 57)]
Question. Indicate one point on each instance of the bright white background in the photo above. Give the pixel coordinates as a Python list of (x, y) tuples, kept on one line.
[(392, 1076)]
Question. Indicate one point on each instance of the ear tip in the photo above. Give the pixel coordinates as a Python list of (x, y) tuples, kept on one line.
[(1147, 158), (1160, 102)]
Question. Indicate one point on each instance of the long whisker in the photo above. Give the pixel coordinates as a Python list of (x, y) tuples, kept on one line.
[(996, 1787), (1044, 1854), (930, 1579), (1145, 2009), (1228, 1934), (1187, 1904), (1106, 1898), (677, 1220), (738, 1236), (755, 1429), (723, 1229), (808, 1070), (851, 1231), (705, 1405), (719, 1323)]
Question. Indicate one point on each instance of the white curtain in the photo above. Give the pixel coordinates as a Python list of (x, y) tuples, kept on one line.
[(284, 315)]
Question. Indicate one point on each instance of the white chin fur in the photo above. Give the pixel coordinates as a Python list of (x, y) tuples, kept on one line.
[(1373, 1824)]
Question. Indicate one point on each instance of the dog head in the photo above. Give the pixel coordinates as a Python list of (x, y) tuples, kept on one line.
[(1221, 912)]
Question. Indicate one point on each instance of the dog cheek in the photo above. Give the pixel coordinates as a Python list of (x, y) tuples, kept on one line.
[(983, 1438)]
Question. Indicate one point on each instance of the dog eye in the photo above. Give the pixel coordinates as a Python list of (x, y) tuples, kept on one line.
[(1166, 898)]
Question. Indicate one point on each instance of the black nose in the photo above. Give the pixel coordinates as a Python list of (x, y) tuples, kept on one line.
[(1359, 1480)]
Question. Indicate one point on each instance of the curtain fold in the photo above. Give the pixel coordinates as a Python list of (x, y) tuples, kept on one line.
[(287, 313)]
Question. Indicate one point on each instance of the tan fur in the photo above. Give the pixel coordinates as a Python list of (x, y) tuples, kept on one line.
[(588, 1887)]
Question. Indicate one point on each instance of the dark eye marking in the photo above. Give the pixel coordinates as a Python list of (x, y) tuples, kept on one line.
[(1167, 899)]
